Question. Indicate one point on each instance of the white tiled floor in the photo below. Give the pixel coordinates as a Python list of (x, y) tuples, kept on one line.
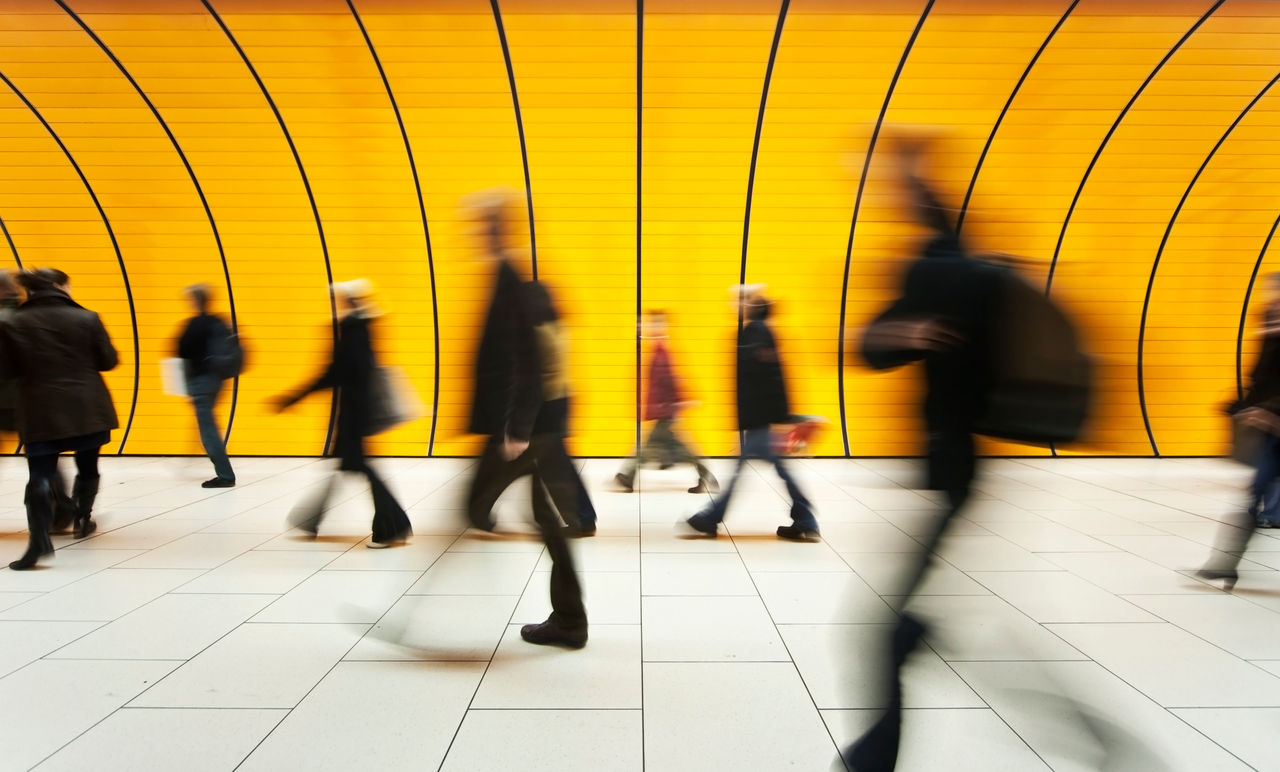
[(194, 631)]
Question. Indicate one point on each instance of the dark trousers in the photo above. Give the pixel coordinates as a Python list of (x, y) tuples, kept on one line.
[(390, 522), (554, 494), (204, 391), (758, 443), (44, 468), (664, 446), (953, 461)]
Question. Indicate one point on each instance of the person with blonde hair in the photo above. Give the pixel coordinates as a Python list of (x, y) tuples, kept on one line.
[(351, 372)]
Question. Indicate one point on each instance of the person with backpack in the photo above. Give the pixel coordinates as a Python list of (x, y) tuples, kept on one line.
[(208, 349)]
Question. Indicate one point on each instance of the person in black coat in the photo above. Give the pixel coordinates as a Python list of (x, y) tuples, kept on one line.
[(351, 373), (58, 350), (946, 317), (762, 402)]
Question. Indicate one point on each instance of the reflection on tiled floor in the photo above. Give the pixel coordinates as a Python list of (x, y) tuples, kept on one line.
[(195, 631)]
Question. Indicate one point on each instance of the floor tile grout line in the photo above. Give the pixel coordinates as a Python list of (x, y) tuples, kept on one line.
[(340, 659), (489, 664)]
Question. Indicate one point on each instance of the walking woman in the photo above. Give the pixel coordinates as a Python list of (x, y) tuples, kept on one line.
[(351, 372), (58, 350)]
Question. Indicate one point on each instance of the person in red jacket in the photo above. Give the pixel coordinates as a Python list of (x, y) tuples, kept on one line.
[(663, 406)]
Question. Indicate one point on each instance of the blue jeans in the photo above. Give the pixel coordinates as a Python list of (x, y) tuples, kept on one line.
[(758, 443), (204, 390), (1263, 489)]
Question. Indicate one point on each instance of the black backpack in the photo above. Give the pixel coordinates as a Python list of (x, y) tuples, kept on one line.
[(226, 354), (1041, 379)]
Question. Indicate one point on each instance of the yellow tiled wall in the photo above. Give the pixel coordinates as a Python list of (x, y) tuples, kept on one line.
[(267, 147)]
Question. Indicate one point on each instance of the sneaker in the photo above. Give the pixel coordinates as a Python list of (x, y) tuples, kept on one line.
[(551, 634), (623, 483), (218, 482), (704, 524), (796, 532), (1261, 523)]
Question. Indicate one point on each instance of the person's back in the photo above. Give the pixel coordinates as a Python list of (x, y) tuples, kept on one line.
[(60, 350)]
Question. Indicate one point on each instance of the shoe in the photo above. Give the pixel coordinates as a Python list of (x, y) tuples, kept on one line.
[(1229, 576), (579, 532), (482, 525), (703, 523), (706, 486), (84, 528), (218, 482), (551, 634), (83, 494), (665, 466), (798, 532), (403, 538), (623, 483), (39, 500), (1261, 523)]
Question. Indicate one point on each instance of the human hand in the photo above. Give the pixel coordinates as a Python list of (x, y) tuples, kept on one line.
[(925, 334), (1262, 419), (513, 448)]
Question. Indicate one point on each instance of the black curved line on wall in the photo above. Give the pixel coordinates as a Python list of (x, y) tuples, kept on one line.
[(1155, 265), (422, 210), (204, 202), (755, 145), (306, 183), (639, 199), (1066, 221), (124, 273), (973, 181), (857, 205), (524, 153), (1244, 308), (12, 247)]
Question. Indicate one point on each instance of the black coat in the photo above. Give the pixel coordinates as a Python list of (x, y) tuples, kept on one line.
[(58, 350), (508, 374), (762, 392), (351, 373), (962, 294), (195, 345)]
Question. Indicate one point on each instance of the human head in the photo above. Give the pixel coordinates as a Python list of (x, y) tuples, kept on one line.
[(198, 294), (357, 295), (43, 280), (655, 323), (758, 308), (491, 213)]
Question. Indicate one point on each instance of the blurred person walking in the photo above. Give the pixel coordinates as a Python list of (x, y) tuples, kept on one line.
[(1259, 410), (208, 352), (351, 372), (521, 403), (762, 402), (58, 350), (662, 406)]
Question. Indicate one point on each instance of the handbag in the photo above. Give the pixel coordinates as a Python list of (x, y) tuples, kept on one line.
[(392, 401), (1246, 442)]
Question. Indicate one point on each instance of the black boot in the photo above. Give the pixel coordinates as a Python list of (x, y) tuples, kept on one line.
[(39, 501), (64, 509), (83, 493)]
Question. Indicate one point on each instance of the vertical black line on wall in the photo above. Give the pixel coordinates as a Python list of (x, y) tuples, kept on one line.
[(422, 210), (204, 202), (639, 200), (306, 183), (973, 181), (115, 244), (857, 205), (1244, 307), (524, 152), (755, 145), (1066, 221), (1155, 265)]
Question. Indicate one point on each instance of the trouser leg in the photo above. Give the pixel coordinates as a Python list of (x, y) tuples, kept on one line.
[(390, 522)]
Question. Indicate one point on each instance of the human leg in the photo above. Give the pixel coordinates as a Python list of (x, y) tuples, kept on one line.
[(554, 494), (39, 503), (84, 491), (204, 395)]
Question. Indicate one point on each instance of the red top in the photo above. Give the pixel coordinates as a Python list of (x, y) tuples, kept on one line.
[(664, 395)]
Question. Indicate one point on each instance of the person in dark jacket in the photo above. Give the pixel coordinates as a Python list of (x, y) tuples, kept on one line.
[(1260, 409), (762, 402), (351, 373), (197, 346), (945, 316), (58, 350), (663, 406)]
